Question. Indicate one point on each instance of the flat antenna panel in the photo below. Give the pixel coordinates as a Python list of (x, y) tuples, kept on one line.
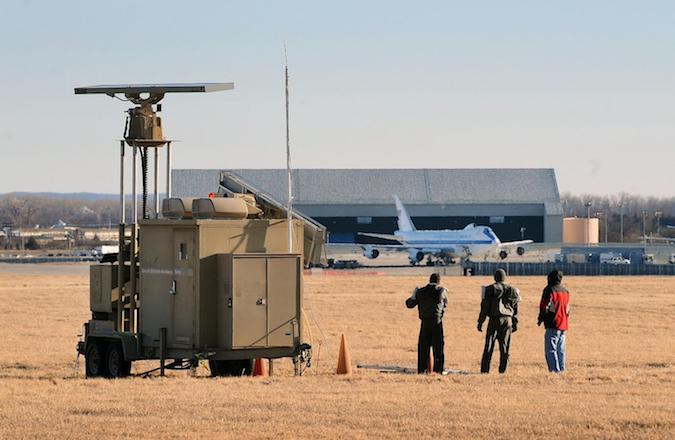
[(112, 89)]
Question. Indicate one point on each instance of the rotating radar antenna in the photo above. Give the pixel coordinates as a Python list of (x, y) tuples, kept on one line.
[(143, 128)]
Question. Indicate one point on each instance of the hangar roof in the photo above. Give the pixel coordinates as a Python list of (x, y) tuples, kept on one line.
[(376, 186)]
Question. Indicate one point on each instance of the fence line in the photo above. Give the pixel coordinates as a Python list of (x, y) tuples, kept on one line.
[(33, 260), (589, 269)]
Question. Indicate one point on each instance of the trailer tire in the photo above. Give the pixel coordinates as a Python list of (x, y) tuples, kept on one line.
[(118, 366), (95, 360)]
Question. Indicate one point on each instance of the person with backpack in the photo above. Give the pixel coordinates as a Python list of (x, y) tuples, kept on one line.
[(500, 304)]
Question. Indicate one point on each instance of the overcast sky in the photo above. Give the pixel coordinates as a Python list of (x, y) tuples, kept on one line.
[(587, 88)]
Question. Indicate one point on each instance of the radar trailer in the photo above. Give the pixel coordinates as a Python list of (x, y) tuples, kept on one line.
[(211, 279)]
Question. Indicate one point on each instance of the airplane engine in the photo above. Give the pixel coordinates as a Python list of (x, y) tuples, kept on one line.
[(503, 254), (520, 250), (370, 253), (415, 256)]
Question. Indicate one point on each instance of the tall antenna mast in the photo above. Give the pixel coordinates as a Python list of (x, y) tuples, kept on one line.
[(289, 207)]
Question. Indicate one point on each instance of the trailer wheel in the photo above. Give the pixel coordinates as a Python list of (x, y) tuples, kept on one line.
[(243, 367), (117, 366), (94, 360)]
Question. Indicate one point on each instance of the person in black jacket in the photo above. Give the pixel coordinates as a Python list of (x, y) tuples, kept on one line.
[(431, 301), (500, 303)]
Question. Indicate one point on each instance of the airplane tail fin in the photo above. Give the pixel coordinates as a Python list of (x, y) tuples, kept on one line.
[(404, 222), (492, 236)]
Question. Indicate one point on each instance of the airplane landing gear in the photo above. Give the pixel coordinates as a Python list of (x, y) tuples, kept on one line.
[(416, 258), (440, 261)]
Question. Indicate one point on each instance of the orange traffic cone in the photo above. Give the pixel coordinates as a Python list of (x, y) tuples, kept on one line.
[(430, 369), (344, 365), (260, 367)]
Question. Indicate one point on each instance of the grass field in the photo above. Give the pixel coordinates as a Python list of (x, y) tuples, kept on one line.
[(620, 383)]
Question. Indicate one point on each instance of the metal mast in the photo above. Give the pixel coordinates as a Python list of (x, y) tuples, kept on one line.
[(289, 214)]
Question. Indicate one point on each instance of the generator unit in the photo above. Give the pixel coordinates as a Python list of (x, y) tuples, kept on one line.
[(214, 278)]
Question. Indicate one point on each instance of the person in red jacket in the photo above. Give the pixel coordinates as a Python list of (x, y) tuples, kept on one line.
[(554, 312)]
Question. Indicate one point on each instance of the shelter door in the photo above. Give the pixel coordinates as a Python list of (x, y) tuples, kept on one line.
[(282, 301), (183, 289), (249, 303)]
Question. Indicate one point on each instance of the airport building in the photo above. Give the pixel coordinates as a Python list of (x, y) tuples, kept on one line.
[(516, 203)]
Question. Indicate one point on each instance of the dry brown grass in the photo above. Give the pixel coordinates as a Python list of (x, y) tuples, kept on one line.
[(620, 382)]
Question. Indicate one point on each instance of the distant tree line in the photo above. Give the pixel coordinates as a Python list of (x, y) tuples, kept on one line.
[(29, 211), (650, 213)]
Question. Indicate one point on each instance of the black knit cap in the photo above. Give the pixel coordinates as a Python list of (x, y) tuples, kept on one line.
[(500, 275), (555, 277), (434, 278)]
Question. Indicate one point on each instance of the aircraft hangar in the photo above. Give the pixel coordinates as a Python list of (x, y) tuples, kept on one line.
[(516, 203)]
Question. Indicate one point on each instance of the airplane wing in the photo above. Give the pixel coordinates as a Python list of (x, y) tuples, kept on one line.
[(389, 247), (406, 248), (670, 226), (515, 243), (353, 247), (381, 236)]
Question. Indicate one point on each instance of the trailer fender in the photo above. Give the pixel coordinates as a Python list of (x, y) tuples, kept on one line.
[(127, 340), (129, 346)]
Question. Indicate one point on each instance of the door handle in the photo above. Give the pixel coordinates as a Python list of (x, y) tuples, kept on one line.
[(261, 302)]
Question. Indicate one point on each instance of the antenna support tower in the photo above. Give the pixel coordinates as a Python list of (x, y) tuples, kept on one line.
[(142, 130)]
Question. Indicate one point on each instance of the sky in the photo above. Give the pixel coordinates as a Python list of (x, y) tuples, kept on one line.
[(587, 88)]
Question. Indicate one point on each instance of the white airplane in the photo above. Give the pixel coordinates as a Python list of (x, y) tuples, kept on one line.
[(441, 245)]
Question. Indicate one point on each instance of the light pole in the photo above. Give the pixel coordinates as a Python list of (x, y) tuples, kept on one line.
[(588, 222), (657, 214), (603, 214), (621, 204), (644, 227)]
